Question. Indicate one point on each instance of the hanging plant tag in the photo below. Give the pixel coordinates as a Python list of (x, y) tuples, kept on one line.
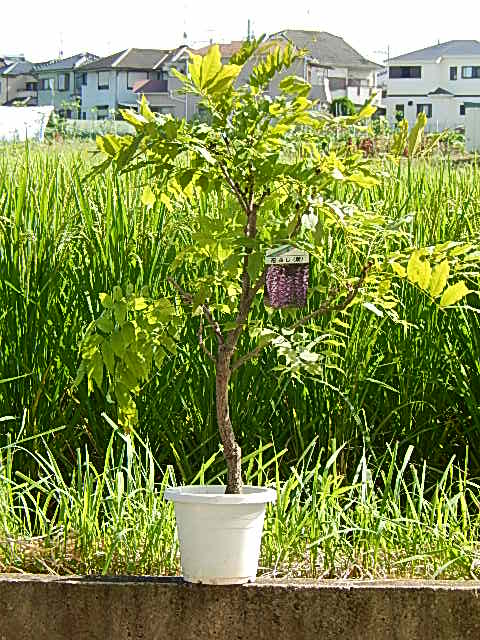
[(286, 280), (286, 255)]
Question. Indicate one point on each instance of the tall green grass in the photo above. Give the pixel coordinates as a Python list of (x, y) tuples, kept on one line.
[(63, 241), (113, 519)]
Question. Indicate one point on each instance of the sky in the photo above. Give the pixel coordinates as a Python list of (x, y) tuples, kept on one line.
[(41, 30)]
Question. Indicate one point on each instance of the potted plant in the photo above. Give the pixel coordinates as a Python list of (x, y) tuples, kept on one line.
[(268, 184)]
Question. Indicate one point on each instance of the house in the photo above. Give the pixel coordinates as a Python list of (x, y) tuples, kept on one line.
[(18, 85), (163, 96), (119, 80), (60, 83), (437, 80), (332, 67)]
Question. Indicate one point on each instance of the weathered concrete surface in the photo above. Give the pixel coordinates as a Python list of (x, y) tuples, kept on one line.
[(48, 608)]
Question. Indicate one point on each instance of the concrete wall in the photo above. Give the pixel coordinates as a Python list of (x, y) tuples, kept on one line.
[(47, 608)]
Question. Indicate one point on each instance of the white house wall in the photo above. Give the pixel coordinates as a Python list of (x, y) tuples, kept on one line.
[(445, 109)]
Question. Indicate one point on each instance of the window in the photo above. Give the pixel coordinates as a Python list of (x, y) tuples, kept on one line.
[(453, 73), (84, 115), (102, 111), (80, 81), (135, 76), (470, 72), (425, 108), (47, 84), (462, 109), (405, 72), (64, 82), (31, 86), (399, 112), (103, 80)]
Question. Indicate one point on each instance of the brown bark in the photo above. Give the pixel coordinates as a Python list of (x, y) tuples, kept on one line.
[(231, 450)]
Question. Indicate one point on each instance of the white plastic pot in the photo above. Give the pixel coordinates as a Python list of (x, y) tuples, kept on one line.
[(219, 534)]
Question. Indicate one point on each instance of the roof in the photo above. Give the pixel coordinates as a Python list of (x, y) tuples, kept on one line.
[(326, 48), (17, 69), (439, 91), (65, 63), (134, 59), (227, 49), (452, 48)]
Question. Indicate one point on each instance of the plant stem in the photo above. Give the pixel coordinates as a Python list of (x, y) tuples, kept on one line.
[(231, 450)]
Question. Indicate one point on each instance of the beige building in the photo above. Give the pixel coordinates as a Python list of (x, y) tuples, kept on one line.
[(18, 85)]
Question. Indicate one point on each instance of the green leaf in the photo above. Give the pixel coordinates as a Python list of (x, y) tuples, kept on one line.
[(117, 293), (108, 357), (106, 300), (454, 294), (224, 79), (82, 370), (255, 261), (145, 110), (120, 312), (95, 370), (295, 85), (148, 197), (418, 269), (104, 323), (439, 278)]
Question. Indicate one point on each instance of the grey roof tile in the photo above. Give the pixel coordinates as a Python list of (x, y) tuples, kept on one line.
[(326, 48), (134, 59), (65, 63), (451, 48)]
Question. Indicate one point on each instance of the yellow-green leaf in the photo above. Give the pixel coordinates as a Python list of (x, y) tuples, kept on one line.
[(211, 65), (195, 69), (418, 269), (439, 278), (148, 197), (454, 294), (399, 270), (164, 199), (416, 133)]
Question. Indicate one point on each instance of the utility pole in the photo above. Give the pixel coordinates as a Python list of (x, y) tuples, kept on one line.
[(249, 30)]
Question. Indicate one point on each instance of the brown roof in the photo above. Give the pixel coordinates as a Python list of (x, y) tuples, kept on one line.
[(227, 49)]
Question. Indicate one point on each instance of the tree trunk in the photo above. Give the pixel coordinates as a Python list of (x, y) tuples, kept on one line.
[(231, 450)]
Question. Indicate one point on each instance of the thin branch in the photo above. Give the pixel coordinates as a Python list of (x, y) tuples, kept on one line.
[(188, 299), (235, 188), (248, 356), (327, 306), (202, 343)]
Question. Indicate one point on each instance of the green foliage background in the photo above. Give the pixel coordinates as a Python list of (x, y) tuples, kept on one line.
[(63, 242)]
